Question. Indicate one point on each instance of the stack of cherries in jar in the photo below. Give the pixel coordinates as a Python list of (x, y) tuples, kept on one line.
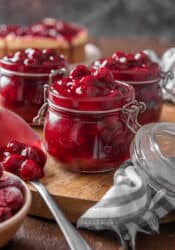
[(23, 76), (85, 127), (143, 74)]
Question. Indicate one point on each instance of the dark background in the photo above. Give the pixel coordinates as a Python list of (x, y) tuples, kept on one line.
[(131, 18)]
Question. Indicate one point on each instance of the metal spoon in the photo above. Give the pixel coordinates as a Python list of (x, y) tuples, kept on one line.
[(74, 239)]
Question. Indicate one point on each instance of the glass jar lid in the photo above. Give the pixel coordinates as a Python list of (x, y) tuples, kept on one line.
[(153, 151)]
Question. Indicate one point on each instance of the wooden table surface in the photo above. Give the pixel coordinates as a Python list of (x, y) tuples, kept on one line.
[(39, 234)]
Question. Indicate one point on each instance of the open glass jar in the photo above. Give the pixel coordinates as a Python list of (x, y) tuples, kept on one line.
[(91, 134), (153, 154), (22, 79)]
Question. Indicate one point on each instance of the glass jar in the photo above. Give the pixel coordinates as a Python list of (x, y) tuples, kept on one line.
[(21, 87), (147, 85), (143, 74), (92, 140), (153, 154)]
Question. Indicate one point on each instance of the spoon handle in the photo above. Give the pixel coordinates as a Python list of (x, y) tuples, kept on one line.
[(74, 239)]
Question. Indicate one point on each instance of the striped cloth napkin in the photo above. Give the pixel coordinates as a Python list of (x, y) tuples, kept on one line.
[(130, 206)]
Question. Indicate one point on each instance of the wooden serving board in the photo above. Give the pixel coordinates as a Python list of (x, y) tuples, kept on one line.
[(75, 193)]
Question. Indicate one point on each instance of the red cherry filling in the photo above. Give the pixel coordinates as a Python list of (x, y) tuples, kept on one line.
[(15, 147), (104, 75), (143, 74), (8, 29), (42, 29), (79, 71), (130, 67), (84, 82), (20, 159), (35, 154), (66, 30), (34, 61), (12, 163), (87, 140), (30, 170), (23, 93), (11, 195), (13, 198)]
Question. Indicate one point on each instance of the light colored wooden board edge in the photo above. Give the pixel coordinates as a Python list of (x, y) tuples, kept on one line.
[(72, 211), (72, 208)]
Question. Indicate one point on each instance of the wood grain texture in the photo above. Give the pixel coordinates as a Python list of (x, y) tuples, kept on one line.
[(36, 234)]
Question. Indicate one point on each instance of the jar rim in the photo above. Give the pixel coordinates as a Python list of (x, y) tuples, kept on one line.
[(151, 81), (18, 73), (31, 69), (149, 74), (148, 156), (108, 111), (4, 62)]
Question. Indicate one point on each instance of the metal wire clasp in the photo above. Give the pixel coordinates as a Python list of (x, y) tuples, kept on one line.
[(39, 119), (166, 76), (131, 112)]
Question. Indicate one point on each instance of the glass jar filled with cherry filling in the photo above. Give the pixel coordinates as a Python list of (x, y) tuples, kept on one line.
[(90, 121), (22, 80), (143, 74)]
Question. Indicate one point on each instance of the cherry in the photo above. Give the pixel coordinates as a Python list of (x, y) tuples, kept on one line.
[(116, 55), (110, 63), (35, 154), (67, 30), (142, 58), (88, 87), (79, 71), (8, 29), (12, 163), (30, 170), (63, 86), (53, 58), (22, 31), (13, 198), (104, 74), (131, 61), (15, 147), (48, 52), (34, 53), (18, 57), (86, 82), (30, 61)]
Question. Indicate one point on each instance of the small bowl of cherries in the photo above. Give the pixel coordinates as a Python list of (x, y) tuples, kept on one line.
[(15, 201)]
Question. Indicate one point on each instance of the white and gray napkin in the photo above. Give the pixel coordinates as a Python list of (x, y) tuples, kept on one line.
[(130, 206), (167, 65)]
